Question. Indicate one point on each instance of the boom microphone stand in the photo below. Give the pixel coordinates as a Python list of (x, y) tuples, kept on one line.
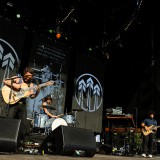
[(10, 94), (11, 88)]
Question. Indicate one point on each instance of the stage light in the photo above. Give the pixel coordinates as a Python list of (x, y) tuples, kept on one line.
[(50, 31), (58, 33), (66, 38), (18, 15), (90, 49)]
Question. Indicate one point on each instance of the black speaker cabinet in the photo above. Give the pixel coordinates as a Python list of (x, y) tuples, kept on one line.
[(9, 129), (70, 141)]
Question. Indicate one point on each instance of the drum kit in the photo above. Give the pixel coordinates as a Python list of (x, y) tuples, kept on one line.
[(42, 122)]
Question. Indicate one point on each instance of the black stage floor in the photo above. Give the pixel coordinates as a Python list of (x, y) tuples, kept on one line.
[(59, 157)]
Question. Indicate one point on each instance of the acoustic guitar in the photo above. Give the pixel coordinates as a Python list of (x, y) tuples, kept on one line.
[(22, 93), (152, 129)]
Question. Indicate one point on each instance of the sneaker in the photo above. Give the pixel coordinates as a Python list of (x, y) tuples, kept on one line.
[(150, 156), (144, 155)]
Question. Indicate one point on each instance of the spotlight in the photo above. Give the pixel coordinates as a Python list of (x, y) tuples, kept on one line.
[(58, 33), (50, 31), (90, 49), (18, 15)]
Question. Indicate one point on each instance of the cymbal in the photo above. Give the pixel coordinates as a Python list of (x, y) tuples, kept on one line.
[(48, 107), (78, 109)]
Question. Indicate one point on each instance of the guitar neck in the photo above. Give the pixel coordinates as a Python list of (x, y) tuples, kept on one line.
[(33, 87)]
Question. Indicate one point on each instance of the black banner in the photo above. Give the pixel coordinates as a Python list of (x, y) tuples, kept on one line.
[(87, 103), (11, 48), (49, 61)]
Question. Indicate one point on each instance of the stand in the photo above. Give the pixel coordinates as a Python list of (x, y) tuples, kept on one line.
[(10, 94), (75, 119)]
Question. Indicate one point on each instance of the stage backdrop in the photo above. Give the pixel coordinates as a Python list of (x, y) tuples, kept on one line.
[(49, 61), (87, 102), (11, 47)]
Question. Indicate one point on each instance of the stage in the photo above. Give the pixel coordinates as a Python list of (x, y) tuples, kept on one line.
[(58, 157)]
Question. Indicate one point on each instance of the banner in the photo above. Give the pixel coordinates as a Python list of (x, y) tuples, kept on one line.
[(87, 104), (49, 61), (11, 47)]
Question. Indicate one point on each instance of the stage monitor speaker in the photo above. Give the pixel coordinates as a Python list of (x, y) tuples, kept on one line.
[(9, 129), (70, 141)]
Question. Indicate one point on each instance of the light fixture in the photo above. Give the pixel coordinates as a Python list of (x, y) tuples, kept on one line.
[(10, 4), (18, 15), (58, 32)]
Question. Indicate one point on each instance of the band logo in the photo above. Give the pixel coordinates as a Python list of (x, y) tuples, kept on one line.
[(88, 92), (8, 57)]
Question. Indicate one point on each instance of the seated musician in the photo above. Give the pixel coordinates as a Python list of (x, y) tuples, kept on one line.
[(47, 101), (149, 127)]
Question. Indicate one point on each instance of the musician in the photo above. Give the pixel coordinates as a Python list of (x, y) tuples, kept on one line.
[(148, 134), (18, 109), (47, 101)]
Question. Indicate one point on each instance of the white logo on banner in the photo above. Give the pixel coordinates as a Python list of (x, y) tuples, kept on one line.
[(88, 93), (7, 56)]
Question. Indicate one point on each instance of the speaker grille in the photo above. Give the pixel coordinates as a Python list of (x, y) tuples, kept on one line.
[(9, 134)]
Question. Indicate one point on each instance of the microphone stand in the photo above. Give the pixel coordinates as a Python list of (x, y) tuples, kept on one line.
[(10, 94)]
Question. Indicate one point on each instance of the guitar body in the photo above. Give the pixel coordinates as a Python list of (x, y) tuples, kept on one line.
[(15, 95), (22, 93), (151, 130), (145, 133)]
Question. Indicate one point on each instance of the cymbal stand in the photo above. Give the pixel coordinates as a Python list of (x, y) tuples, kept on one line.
[(75, 119), (10, 94)]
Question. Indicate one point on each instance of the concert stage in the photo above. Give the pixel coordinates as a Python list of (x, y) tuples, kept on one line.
[(58, 157)]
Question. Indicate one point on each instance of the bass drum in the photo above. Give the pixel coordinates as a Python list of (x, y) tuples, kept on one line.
[(58, 122), (53, 123)]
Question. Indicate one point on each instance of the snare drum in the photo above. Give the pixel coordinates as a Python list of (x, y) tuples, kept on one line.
[(69, 119), (40, 120)]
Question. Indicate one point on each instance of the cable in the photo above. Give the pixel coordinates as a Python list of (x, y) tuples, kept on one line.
[(126, 25)]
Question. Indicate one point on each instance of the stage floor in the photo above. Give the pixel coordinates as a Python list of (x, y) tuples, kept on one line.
[(59, 157)]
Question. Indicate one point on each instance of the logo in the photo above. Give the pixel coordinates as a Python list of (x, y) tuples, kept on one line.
[(88, 92), (8, 57)]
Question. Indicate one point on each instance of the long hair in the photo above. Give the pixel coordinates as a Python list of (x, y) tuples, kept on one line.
[(49, 97), (27, 69)]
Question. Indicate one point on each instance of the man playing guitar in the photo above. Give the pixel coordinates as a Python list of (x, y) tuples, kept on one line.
[(149, 126), (18, 109)]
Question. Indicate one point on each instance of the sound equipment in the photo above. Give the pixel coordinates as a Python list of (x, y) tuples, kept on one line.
[(70, 141), (9, 129)]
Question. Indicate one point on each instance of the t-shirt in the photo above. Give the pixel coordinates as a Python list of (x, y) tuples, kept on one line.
[(148, 122), (23, 100)]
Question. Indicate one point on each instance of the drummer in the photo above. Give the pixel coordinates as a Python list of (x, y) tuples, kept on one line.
[(47, 101)]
